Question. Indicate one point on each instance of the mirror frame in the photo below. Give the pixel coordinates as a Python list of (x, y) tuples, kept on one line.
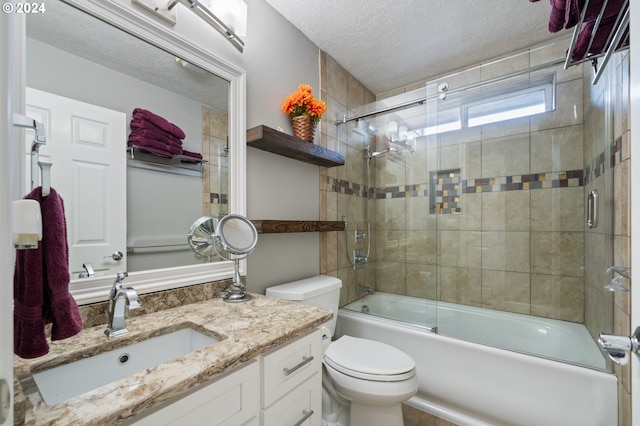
[(136, 23)]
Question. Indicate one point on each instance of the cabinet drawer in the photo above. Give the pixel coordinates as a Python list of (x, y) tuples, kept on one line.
[(301, 406), (230, 400), (287, 367)]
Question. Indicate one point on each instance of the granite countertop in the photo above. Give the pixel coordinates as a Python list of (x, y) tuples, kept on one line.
[(245, 330)]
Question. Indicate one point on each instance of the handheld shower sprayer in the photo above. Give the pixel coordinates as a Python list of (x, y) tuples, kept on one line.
[(370, 155)]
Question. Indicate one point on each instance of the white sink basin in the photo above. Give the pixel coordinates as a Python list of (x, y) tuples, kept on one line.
[(60, 383)]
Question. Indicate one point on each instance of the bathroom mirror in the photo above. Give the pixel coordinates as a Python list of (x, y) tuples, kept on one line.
[(91, 38)]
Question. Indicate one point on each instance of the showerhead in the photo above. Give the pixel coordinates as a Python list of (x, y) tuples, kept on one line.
[(365, 128)]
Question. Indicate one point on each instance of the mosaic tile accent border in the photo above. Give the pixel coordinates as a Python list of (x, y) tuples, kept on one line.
[(404, 191), (564, 179), (345, 187)]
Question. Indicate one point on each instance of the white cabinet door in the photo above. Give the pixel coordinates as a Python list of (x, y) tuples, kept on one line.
[(86, 145)]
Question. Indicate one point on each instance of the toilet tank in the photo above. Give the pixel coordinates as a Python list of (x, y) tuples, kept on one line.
[(321, 291)]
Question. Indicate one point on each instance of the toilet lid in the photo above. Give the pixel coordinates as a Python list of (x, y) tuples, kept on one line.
[(369, 360)]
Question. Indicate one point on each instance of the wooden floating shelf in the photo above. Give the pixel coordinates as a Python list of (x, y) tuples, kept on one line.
[(271, 140), (289, 226)]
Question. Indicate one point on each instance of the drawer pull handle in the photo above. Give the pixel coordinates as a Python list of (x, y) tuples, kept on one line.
[(307, 414), (305, 360)]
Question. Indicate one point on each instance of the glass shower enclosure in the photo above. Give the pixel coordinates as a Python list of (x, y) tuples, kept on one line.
[(475, 196)]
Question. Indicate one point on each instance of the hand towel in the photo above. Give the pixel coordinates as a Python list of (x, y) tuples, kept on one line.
[(161, 122), (41, 284)]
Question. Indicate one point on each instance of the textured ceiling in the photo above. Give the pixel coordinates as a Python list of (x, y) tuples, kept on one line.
[(76, 32), (387, 44)]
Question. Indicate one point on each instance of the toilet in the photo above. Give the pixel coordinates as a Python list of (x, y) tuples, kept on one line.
[(369, 380)]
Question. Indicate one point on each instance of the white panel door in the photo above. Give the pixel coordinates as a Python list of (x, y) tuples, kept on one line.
[(86, 145)]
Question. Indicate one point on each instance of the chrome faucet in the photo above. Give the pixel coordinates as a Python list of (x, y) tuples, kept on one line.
[(118, 298), (89, 272), (619, 347)]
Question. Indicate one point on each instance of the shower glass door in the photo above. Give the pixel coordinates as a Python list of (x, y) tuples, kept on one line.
[(386, 179)]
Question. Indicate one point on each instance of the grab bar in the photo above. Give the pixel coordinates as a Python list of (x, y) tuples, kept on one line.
[(592, 209)]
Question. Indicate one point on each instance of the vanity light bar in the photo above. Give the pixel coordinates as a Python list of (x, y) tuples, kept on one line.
[(166, 13), (209, 17)]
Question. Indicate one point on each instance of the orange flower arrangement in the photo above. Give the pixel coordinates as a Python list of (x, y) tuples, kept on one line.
[(302, 102)]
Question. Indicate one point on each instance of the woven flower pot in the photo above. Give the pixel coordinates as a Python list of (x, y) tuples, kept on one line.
[(303, 127)]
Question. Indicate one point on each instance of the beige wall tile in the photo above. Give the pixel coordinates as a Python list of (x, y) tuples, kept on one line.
[(568, 108), (558, 297), (557, 253), (558, 209), (557, 149), (460, 285), (506, 291), (505, 156)]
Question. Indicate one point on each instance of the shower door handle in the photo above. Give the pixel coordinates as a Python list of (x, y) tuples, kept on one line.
[(592, 209), (618, 348)]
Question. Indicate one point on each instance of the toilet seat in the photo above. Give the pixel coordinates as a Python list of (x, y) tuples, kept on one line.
[(369, 360)]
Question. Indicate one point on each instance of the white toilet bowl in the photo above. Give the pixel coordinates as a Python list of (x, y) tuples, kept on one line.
[(365, 380), (376, 378)]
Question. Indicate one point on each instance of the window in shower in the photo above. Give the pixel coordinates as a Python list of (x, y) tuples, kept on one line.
[(521, 97), (446, 191)]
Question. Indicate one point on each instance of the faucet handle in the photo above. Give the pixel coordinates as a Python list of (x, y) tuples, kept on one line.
[(120, 276)]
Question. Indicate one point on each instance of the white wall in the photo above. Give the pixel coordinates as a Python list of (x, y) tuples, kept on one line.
[(277, 58)]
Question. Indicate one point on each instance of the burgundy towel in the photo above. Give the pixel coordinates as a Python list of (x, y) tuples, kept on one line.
[(150, 134), (195, 155), (599, 40), (557, 15), (41, 284), (141, 141), (142, 124), (595, 6), (153, 150), (160, 122), (572, 13)]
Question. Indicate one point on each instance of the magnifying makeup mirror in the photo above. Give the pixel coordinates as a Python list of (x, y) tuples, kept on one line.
[(200, 237), (233, 238)]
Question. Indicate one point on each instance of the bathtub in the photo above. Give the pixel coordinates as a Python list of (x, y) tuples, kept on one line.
[(480, 384)]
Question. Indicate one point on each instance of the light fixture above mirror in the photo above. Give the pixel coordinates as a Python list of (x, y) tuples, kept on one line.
[(228, 17)]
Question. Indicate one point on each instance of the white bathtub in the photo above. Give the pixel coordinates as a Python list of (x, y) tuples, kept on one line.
[(477, 384)]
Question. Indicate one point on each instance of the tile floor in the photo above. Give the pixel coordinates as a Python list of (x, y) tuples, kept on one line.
[(415, 417)]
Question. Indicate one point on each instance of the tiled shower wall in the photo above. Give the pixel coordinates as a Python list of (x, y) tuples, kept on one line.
[(607, 122), (341, 188), (215, 176)]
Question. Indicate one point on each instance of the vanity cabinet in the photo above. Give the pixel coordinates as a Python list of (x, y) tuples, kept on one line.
[(281, 387), (292, 383)]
